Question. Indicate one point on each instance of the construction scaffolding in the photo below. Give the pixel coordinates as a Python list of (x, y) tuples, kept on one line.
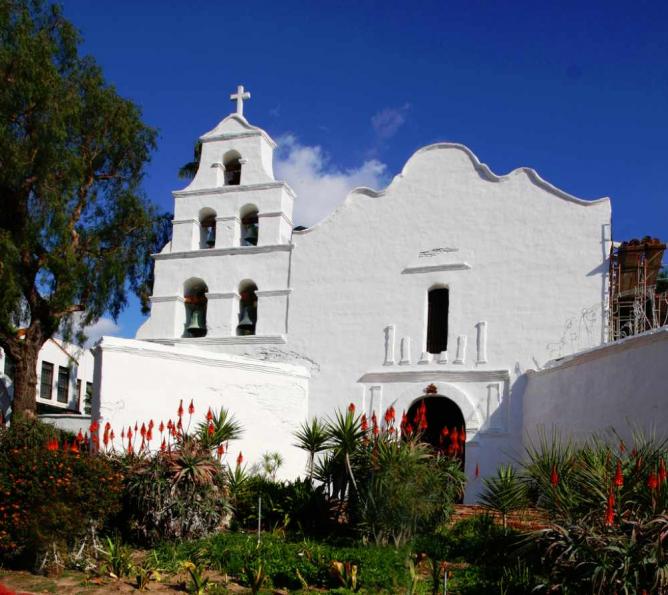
[(638, 299)]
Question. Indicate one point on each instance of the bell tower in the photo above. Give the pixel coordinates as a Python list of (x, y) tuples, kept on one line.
[(231, 240)]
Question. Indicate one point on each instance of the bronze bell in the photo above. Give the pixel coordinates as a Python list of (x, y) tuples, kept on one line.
[(246, 325), (210, 237), (196, 325), (250, 235)]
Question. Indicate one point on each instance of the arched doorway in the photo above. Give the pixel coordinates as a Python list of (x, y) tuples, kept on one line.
[(445, 427)]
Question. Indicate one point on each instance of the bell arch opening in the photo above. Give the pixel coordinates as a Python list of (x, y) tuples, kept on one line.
[(232, 164), (445, 428), (207, 228), (194, 297), (250, 229), (247, 308)]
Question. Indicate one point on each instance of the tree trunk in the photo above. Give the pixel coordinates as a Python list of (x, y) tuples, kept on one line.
[(25, 353)]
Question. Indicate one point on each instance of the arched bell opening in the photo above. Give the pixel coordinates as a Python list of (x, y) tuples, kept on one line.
[(207, 228), (194, 296), (441, 423), (249, 225), (247, 309), (232, 163)]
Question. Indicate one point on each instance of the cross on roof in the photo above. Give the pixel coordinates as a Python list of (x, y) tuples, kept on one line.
[(239, 97)]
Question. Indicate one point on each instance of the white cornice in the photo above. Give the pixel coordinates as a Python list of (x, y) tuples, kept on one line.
[(245, 340), (232, 189), (205, 252), (166, 298), (249, 130), (273, 292), (432, 268), (387, 376)]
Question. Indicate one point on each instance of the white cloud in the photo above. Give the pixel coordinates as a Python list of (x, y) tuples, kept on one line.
[(320, 185), (387, 121), (104, 326)]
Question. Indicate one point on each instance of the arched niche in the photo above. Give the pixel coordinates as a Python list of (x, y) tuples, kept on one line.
[(250, 228), (232, 164), (247, 308), (195, 301), (207, 228)]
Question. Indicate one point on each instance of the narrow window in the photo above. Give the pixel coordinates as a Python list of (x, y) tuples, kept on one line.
[(247, 309), (249, 225), (437, 320), (88, 399), (78, 404), (232, 163), (195, 301), (207, 226), (46, 381), (63, 384)]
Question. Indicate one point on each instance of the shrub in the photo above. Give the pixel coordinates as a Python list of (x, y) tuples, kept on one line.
[(504, 493), (53, 491)]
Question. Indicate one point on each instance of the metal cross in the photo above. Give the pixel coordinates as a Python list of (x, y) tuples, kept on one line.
[(239, 97)]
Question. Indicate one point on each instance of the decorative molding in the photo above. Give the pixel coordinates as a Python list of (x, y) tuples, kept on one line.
[(481, 342), (230, 218), (428, 376), (235, 188), (273, 292), (389, 345), (202, 252), (276, 214), (432, 268), (244, 340), (460, 358), (494, 401), (425, 358), (156, 299), (181, 221), (443, 357), (222, 295), (405, 351), (249, 131)]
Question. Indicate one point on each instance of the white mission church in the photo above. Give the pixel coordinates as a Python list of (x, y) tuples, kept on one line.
[(487, 295)]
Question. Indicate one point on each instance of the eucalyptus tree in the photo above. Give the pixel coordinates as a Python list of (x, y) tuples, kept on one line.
[(76, 230)]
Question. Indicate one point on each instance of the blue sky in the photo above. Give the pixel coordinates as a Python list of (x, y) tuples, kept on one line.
[(577, 91)]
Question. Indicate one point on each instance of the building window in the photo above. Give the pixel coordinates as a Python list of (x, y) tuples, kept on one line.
[(194, 296), (78, 399), (207, 227), (437, 320), (250, 229), (247, 309), (232, 163), (88, 399), (63, 384), (46, 381)]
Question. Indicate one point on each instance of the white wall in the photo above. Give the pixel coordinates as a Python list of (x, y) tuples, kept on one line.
[(138, 381), (622, 385)]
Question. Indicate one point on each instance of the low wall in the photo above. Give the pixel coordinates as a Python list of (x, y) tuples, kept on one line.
[(68, 422), (136, 381), (622, 385)]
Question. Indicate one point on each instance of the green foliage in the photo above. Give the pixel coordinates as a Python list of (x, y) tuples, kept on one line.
[(75, 228), (50, 497), (225, 426), (505, 493), (117, 555), (313, 438), (198, 583), (179, 494)]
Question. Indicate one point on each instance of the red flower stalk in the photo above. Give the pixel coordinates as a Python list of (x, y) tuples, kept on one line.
[(220, 450), (454, 437), (170, 425), (619, 476), (662, 471), (409, 429), (209, 415), (149, 434), (364, 423), (554, 477), (462, 436), (136, 428), (122, 434), (351, 408), (445, 431), (609, 515), (191, 407), (74, 446), (130, 447), (240, 458), (179, 411), (107, 427), (112, 435), (143, 444), (163, 446), (161, 427), (150, 424), (179, 424), (52, 444), (105, 438), (652, 481), (94, 427), (211, 430), (389, 415), (477, 470), (143, 431), (80, 437), (129, 434)]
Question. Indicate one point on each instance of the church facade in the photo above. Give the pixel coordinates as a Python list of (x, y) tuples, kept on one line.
[(448, 285)]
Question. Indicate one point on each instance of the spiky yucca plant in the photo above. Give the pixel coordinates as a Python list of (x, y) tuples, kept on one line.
[(504, 493)]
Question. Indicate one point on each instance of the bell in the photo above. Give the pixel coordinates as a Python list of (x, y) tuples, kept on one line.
[(196, 325), (210, 237), (246, 325), (250, 235)]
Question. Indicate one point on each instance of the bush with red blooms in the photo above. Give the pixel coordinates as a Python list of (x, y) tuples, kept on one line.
[(609, 507), (53, 490)]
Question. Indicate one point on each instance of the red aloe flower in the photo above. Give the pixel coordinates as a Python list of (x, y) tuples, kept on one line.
[(652, 481), (94, 427), (477, 470), (364, 424), (161, 427), (179, 411), (409, 429), (209, 415), (122, 434), (163, 446), (389, 415), (149, 433), (150, 424), (170, 425), (220, 450), (662, 470), (454, 437), (129, 434), (351, 408), (105, 438), (143, 430), (445, 431), (211, 430), (112, 435), (240, 458), (80, 436), (619, 476), (130, 450), (74, 447), (107, 427), (191, 407), (610, 511), (52, 444), (554, 477)]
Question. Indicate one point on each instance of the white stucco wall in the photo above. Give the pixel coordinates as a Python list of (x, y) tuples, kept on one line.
[(621, 385), (137, 381)]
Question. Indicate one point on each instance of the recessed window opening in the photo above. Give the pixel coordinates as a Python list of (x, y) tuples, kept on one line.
[(247, 309), (437, 320), (194, 296), (46, 381), (232, 163), (250, 228), (63, 394), (207, 224)]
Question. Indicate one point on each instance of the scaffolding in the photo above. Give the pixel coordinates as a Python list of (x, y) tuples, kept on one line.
[(638, 298)]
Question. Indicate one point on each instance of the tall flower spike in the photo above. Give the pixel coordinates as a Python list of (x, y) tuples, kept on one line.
[(209, 415), (80, 436), (161, 427), (477, 470), (240, 458), (220, 450), (364, 424), (211, 430), (163, 446), (191, 407), (554, 477), (143, 430), (619, 476), (179, 411), (150, 424), (652, 481), (351, 408)]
